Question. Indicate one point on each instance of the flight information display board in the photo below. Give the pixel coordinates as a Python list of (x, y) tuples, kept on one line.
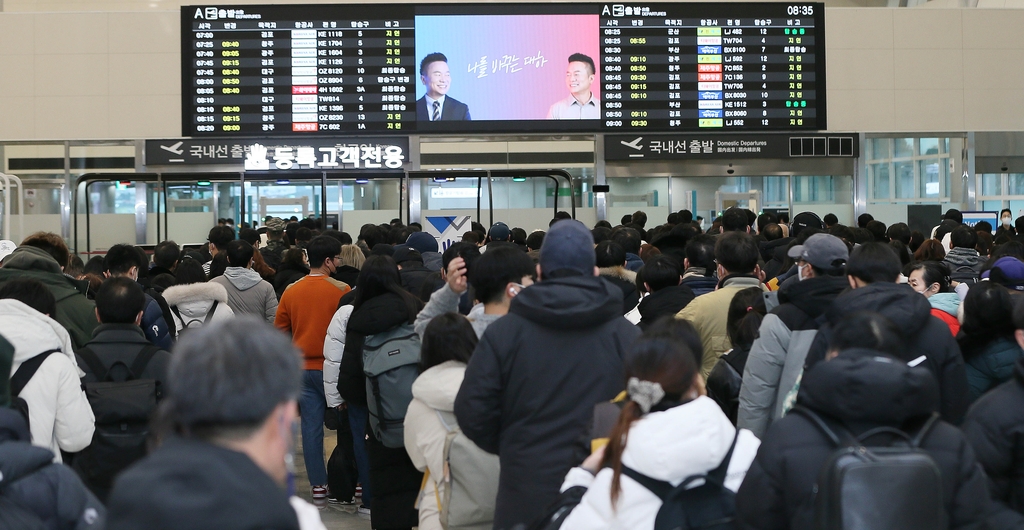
[(323, 69)]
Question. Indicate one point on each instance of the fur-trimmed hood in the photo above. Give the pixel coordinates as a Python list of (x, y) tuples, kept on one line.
[(621, 273), (195, 300)]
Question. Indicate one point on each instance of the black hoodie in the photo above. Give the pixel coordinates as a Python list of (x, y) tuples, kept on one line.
[(533, 381), (924, 335), (667, 301), (861, 390)]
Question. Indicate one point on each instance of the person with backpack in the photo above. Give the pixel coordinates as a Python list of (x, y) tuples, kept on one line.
[(746, 312), (124, 379), (537, 373), (668, 439), (865, 403), (123, 261), (193, 301), (381, 311), (306, 309), (776, 358), (45, 380), (431, 431), (964, 262)]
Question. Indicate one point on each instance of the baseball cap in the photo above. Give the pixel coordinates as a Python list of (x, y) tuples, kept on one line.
[(275, 225), (568, 245), (806, 219), (406, 253), (824, 251), (1008, 272), (422, 241), (499, 232)]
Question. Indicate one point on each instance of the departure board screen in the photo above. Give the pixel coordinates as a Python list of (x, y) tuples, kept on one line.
[(323, 69)]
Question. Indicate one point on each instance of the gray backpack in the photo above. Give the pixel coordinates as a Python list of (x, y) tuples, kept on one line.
[(391, 364), (470, 479)]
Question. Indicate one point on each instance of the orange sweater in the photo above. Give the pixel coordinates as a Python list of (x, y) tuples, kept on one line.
[(306, 309)]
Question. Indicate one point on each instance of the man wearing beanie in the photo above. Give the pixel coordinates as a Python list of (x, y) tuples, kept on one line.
[(426, 245), (532, 383)]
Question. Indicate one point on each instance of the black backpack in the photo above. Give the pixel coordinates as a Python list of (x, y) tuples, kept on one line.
[(964, 274), (122, 403), (710, 506), (877, 488), (21, 378)]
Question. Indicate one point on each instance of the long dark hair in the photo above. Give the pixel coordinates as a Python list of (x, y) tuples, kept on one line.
[(661, 361), (988, 314), (449, 337), (189, 270), (378, 276), (746, 311)]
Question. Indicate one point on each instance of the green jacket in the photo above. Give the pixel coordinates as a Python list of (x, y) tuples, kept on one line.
[(74, 310)]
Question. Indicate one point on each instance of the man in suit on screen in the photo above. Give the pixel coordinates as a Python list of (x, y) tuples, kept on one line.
[(436, 105)]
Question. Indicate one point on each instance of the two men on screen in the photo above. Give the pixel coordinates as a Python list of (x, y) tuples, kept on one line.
[(436, 105), (581, 103)]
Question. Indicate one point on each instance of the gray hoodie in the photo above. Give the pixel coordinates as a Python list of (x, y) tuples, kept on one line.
[(248, 293)]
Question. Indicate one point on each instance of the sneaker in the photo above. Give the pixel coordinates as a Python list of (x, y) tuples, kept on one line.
[(363, 510), (334, 500), (319, 492)]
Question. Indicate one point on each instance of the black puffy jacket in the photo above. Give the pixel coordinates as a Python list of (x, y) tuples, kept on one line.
[(30, 479), (861, 390), (667, 301), (533, 381), (995, 428), (925, 336), (726, 379)]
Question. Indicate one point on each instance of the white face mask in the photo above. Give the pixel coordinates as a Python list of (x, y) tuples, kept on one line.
[(1006, 221), (800, 273)]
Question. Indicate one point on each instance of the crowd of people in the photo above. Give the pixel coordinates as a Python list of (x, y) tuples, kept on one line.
[(608, 377)]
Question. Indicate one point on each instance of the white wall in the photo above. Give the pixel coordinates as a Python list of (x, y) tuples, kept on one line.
[(105, 74)]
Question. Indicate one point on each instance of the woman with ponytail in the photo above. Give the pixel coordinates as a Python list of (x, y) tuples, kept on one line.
[(666, 431), (746, 311)]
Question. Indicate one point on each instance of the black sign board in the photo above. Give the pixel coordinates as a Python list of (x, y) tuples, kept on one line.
[(282, 154), (715, 146)]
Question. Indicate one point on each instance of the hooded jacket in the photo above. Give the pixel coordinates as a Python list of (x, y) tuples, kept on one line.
[(861, 390), (683, 441), (396, 482), (59, 413), (709, 315), (928, 342), (248, 293), (777, 357), (944, 307), (963, 261), (667, 301), (990, 361), (74, 309), (995, 428), (433, 391), (195, 300), (625, 280), (287, 275), (198, 485), (532, 383), (30, 479)]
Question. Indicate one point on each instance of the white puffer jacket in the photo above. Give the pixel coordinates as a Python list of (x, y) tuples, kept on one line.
[(434, 390), (334, 349), (59, 413), (683, 441), (194, 301)]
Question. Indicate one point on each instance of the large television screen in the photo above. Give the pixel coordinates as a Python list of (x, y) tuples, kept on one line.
[(323, 69)]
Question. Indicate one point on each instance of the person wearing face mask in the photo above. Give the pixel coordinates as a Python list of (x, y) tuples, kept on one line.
[(1005, 223), (931, 279), (777, 357)]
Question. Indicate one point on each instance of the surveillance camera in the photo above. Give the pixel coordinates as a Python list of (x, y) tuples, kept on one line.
[(730, 171), (1004, 169)]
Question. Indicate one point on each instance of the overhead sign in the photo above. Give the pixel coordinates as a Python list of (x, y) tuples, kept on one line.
[(717, 146), (282, 154), (448, 229)]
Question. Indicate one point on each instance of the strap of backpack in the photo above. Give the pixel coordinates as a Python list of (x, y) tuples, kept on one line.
[(174, 309), (94, 362), (820, 424), (142, 360), (448, 420), (922, 433), (658, 487), (209, 314), (718, 474), (27, 369)]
